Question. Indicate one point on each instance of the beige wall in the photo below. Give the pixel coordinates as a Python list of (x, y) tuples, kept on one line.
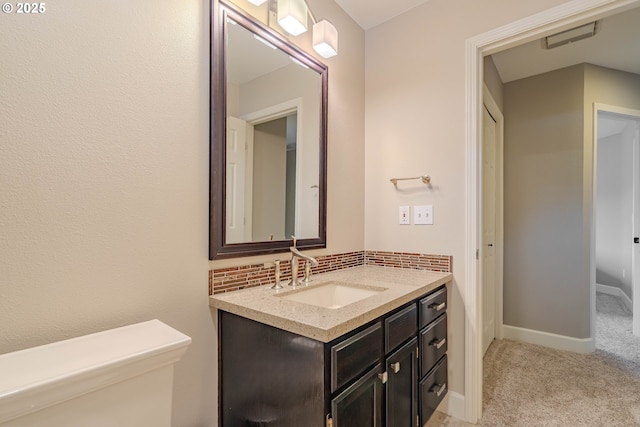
[(415, 123), (104, 173), (546, 282), (104, 177)]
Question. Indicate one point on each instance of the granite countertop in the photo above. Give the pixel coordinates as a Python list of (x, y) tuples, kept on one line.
[(325, 324)]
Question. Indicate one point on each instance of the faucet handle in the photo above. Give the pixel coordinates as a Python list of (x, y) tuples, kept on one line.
[(307, 272), (277, 284)]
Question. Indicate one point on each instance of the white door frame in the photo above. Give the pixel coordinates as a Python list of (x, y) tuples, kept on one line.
[(635, 116), (497, 115), (559, 18), (275, 112)]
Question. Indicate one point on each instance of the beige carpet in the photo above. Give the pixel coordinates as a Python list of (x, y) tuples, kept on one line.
[(529, 385)]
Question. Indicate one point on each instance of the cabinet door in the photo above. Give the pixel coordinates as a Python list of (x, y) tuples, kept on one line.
[(360, 405), (402, 372)]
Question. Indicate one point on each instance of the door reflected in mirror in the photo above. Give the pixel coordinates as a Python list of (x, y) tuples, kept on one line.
[(265, 172)]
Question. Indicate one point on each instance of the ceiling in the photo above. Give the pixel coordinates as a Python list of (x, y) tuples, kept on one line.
[(615, 45), (369, 13)]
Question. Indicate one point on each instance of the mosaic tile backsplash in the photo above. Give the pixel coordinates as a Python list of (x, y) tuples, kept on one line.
[(247, 276)]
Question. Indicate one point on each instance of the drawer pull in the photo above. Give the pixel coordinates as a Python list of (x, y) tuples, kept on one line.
[(437, 307), (438, 389), (395, 367), (437, 344)]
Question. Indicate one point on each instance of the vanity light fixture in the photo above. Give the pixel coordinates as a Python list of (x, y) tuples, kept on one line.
[(292, 16), (325, 39)]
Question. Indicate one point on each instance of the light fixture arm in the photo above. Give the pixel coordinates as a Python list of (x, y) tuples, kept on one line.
[(313, 18)]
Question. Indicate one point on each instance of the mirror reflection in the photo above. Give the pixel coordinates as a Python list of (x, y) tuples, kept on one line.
[(273, 105)]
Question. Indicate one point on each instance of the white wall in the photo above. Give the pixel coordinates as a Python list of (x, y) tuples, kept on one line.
[(415, 123), (614, 209)]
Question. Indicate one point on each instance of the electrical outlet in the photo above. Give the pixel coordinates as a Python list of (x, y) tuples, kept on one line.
[(404, 216), (423, 215)]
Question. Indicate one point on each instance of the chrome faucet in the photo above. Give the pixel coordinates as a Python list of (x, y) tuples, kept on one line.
[(309, 261)]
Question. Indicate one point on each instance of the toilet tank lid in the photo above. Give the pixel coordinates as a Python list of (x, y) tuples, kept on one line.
[(34, 372)]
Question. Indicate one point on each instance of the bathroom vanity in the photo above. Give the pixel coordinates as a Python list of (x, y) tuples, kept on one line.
[(377, 361)]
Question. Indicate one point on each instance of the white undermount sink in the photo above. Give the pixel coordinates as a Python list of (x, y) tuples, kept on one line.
[(331, 294)]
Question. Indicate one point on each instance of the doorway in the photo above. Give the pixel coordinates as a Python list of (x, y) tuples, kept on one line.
[(556, 19), (615, 255)]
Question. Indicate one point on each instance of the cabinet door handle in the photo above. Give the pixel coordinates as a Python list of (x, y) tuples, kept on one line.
[(438, 389), (395, 367), (383, 377), (437, 307), (437, 344)]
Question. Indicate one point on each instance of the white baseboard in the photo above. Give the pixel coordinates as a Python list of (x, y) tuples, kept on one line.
[(546, 339), (616, 292), (453, 405)]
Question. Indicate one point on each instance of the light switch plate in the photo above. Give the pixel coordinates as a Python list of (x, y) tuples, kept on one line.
[(423, 215), (404, 217)]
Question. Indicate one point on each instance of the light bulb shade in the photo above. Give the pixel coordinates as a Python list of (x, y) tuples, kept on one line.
[(292, 16), (325, 39), (257, 2)]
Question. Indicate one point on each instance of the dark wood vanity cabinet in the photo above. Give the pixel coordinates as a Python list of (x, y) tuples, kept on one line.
[(390, 372)]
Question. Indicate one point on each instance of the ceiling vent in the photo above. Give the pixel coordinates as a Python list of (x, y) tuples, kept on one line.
[(572, 35)]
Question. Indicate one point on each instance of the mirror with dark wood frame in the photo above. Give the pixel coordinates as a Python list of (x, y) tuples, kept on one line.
[(268, 139)]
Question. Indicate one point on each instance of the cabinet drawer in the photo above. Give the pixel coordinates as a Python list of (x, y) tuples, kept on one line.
[(399, 327), (433, 388), (355, 354), (433, 343), (432, 306)]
